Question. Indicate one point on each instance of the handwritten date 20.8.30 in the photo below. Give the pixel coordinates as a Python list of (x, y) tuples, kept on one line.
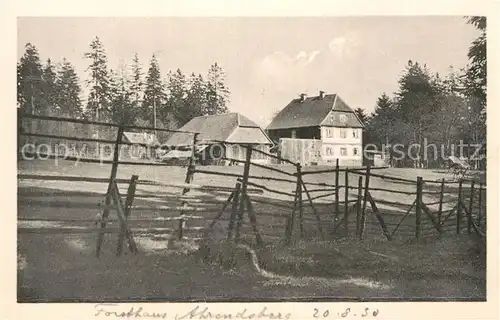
[(347, 313)]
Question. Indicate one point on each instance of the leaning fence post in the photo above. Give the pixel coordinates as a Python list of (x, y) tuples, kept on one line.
[(129, 200), (234, 211), (114, 170), (441, 194), (418, 208), (300, 199), (189, 178), (244, 186), (365, 198), (459, 205), (291, 218), (358, 205), (469, 216), (479, 212), (346, 202), (336, 189)]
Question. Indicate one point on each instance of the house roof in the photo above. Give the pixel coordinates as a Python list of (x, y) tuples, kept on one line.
[(313, 111), (141, 138), (229, 127)]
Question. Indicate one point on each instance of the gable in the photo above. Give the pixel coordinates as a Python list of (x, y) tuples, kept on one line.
[(218, 128), (297, 114), (342, 119), (313, 112)]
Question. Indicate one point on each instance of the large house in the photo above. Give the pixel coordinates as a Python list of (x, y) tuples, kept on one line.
[(220, 137), (318, 130)]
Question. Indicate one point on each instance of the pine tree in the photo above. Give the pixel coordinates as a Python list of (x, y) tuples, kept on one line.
[(136, 83), (417, 96), (360, 113), (98, 102), (154, 93), (216, 91), (67, 88), (196, 100), (381, 124), (476, 71), (122, 108), (177, 92), (30, 81), (49, 89)]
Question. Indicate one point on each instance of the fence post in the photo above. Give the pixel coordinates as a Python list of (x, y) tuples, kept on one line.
[(291, 219), (114, 170), (358, 205), (459, 205), (346, 202), (336, 189), (441, 194), (234, 211), (244, 186), (418, 208), (129, 200), (300, 199), (480, 204), (189, 178), (365, 198), (471, 200)]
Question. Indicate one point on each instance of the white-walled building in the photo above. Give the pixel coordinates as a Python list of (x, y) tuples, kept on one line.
[(318, 130)]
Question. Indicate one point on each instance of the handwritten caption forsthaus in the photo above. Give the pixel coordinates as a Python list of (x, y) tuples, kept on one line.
[(109, 310), (205, 313)]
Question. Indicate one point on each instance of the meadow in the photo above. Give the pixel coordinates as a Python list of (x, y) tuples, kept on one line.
[(63, 266)]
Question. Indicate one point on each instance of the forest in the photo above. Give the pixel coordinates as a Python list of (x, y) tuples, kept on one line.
[(428, 108), (128, 95), (437, 113)]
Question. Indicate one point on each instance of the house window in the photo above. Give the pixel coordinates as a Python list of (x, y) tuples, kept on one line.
[(355, 151), (343, 134), (329, 151), (354, 133), (343, 151), (329, 133), (236, 152)]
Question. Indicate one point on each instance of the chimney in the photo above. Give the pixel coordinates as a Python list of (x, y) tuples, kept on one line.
[(302, 97), (321, 94)]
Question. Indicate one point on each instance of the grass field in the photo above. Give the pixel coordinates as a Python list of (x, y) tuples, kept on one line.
[(62, 267)]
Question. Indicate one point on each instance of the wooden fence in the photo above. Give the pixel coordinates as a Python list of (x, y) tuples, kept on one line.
[(266, 202)]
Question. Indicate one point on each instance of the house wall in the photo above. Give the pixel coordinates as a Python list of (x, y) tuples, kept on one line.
[(321, 145), (304, 151), (300, 133), (346, 144), (238, 152)]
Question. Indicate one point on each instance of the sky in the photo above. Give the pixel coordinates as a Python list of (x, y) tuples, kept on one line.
[(268, 61)]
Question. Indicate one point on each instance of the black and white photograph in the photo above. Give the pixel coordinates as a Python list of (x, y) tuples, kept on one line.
[(251, 159)]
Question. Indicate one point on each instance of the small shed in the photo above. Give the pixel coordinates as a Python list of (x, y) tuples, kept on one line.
[(375, 158), (139, 145), (221, 138)]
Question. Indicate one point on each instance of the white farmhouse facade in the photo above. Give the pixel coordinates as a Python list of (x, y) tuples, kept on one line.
[(327, 120)]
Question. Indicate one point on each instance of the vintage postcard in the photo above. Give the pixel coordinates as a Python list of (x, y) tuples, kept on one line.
[(270, 165)]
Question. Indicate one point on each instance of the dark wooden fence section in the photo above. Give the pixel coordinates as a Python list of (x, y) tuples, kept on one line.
[(254, 200)]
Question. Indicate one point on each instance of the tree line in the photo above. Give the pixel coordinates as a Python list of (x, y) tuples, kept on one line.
[(125, 95), (429, 109)]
